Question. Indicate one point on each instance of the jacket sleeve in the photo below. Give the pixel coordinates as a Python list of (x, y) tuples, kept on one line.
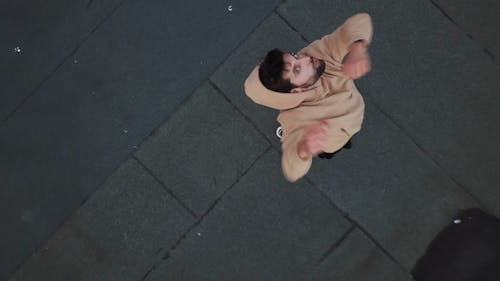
[(355, 28), (293, 166)]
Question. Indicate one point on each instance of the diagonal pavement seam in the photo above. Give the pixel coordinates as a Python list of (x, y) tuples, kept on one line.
[(89, 3), (165, 188), (150, 270), (168, 252), (291, 26), (378, 108), (216, 67), (154, 131), (218, 90), (335, 245), (63, 61), (346, 236), (428, 155), (445, 14), (356, 224), (345, 214)]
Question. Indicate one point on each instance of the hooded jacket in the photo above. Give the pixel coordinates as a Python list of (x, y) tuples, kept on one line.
[(332, 98)]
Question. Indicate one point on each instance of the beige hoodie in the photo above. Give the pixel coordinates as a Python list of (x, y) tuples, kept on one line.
[(333, 98)]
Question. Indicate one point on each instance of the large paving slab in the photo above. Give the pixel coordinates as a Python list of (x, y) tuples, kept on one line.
[(478, 19), (358, 258), (117, 87), (116, 235), (202, 149), (434, 81), (229, 77), (390, 188), (47, 32), (264, 228)]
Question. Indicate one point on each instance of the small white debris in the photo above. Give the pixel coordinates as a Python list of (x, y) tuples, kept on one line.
[(457, 221), (17, 49), (75, 61), (199, 233), (134, 147), (230, 8), (125, 131)]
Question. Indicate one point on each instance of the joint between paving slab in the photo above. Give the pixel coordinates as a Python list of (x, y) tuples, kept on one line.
[(291, 26), (170, 192), (89, 4), (428, 155), (236, 182), (167, 253), (378, 245), (445, 14), (64, 60), (354, 223), (239, 111), (38, 246), (216, 201), (230, 53), (148, 272), (491, 55), (336, 244)]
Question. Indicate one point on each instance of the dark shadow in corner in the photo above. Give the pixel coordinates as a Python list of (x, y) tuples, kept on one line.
[(468, 249)]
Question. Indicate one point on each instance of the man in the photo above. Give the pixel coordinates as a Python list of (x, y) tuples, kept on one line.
[(320, 107)]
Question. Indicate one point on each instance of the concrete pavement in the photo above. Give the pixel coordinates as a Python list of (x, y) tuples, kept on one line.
[(182, 171)]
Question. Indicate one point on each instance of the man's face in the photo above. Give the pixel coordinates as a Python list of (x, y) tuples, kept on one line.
[(302, 71)]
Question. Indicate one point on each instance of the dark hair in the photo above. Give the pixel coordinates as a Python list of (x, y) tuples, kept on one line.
[(271, 71)]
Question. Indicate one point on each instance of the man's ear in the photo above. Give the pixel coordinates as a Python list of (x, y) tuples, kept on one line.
[(296, 90)]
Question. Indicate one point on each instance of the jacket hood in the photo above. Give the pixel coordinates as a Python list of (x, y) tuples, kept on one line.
[(256, 91)]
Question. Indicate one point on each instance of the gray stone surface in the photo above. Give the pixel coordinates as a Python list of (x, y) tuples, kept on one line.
[(272, 33), (429, 138), (80, 124), (434, 82), (263, 229), (116, 235), (47, 32), (391, 188), (357, 258), (319, 17), (479, 19), (203, 149)]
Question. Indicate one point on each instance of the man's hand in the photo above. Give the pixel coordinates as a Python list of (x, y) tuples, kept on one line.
[(314, 140), (357, 62)]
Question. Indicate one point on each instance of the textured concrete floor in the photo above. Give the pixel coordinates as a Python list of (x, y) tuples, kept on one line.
[(130, 152)]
